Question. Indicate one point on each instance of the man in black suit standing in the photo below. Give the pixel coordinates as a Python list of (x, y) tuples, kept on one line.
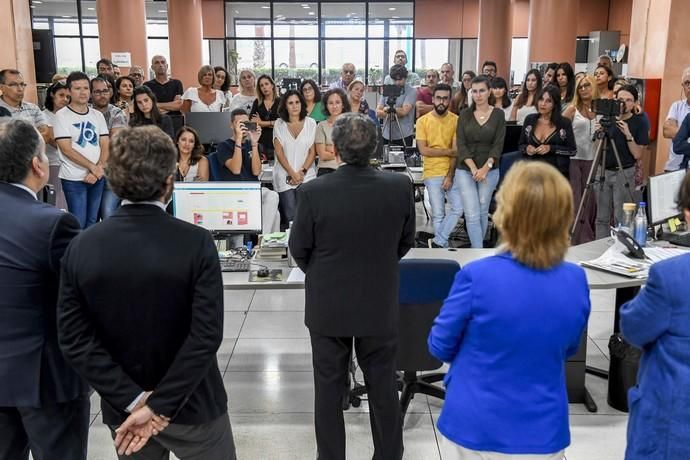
[(44, 405), (350, 230), (140, 312)]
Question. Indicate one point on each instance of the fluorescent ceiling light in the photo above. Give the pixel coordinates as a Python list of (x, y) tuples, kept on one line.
[(312, 13), (266, 7), (38, 2), (162, 11), (392, 8), (91, 9)]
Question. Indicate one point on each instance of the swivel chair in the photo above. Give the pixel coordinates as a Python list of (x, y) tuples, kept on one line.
[(213, 166), (424, 285)]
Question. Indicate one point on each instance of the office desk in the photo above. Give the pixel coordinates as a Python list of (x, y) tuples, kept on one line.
[(626, 288), (266, 176)]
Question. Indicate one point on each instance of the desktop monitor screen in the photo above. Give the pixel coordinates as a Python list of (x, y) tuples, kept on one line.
[(220, 207), (663, 191)]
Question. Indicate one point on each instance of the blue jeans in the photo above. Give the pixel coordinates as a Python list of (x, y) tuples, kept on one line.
[(109, 201), (287, 201), (83, 200), (476, 198), (443, 222)]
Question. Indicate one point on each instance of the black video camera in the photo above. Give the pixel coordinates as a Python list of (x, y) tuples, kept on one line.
[(608, 109), (391, 93)]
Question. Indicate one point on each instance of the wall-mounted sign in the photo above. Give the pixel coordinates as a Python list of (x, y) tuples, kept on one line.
[(123, 59)]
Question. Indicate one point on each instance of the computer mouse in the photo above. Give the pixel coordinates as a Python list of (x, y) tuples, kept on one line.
[(262, 272)]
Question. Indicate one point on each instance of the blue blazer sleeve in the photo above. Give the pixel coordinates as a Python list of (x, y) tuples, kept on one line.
[(680, 141), (446, 333), (645, 318)]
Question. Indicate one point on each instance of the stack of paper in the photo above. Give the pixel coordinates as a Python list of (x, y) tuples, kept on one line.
[(615, 262), (273, 246)]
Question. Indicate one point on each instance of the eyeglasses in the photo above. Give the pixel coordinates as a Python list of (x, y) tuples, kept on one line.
[(100, 92), (136, 75), (686, 83), (16, 85), (400, 56)]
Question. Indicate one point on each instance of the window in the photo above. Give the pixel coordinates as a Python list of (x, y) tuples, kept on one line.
[(75, 32), (156, 32), (338, 52), (518, 59), (469, 56), (296, 39)]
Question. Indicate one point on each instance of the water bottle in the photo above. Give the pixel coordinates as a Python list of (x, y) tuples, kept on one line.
[(628, 224), (641, 224)]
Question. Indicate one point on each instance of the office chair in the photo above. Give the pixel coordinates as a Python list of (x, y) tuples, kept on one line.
[(213, 166), (424, 285)]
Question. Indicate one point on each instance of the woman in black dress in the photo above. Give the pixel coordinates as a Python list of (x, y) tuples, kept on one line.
[(265, 112), (547, 135)]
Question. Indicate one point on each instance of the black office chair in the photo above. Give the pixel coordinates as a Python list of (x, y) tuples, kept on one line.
[(424, 285)]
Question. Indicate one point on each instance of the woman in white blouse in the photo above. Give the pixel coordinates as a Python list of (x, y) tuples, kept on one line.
[(204, 98), (293, 140)]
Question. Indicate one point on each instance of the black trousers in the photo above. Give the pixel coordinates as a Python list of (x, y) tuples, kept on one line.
[(209, 441), (52, 432), (376, 357)]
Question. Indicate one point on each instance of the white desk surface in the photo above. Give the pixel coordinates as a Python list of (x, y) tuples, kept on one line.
[(267, 174), (595, 278)]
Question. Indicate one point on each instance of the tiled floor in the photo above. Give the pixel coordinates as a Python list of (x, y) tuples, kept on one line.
[(266, 364), (265, 360)]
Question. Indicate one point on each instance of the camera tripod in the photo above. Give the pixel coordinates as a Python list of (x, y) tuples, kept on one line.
[(597, 173), (392, 115)]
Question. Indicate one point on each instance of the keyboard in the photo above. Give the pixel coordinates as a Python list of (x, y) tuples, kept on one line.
[(234, 265), (679, 239)]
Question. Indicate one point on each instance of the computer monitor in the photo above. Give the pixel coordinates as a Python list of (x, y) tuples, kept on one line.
[(663, 191), (212, 127), (221, 207)]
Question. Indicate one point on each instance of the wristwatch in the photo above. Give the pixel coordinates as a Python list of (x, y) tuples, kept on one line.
[(304, 170), (490, 162)]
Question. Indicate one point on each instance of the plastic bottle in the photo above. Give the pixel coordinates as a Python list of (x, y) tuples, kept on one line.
[(628, 223), (641, 224)]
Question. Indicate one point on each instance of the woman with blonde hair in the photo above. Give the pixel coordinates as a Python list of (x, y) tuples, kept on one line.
[(204, 98), (507, 337), (584, 121)]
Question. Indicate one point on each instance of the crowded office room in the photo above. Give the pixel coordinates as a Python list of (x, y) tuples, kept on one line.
[(423, 229)]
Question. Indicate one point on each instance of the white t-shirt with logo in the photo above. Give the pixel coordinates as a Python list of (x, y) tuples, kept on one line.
[(85, 130)]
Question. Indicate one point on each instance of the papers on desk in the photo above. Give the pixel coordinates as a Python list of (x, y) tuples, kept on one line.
[(296, 276), (615, 262)]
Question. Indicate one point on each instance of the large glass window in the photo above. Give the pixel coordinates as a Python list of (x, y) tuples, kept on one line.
[(247, 19), (296, 59), (343, 20), (75, 35), (156, 33), (252, 54), (518, 59), (391, 20), (338, 52), (295, 20)]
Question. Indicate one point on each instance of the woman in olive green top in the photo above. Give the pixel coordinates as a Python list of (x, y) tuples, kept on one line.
[(481, 129), (312, 96), (335, 103)]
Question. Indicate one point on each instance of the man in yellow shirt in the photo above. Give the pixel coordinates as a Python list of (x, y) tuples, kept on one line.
[(436, 143)]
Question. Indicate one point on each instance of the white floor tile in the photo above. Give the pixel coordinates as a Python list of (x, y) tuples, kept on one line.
[(237, 300), (274, 437), (603, 346), (275, 325), (600, 325), (271, 355), (597, 437), (603, 299), (278, 300), (269, 392), (232, 324)]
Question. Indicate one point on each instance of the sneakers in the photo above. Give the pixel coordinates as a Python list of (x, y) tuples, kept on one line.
[(433, 245)]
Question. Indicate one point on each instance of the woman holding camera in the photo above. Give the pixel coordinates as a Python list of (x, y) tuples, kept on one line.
[(547, 135), (629, 132), (293, 140)]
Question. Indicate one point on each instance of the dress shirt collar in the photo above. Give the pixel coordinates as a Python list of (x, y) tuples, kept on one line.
[(24, 187), (152, 202)]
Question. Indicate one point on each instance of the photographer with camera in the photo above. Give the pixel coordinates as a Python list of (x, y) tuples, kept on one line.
[(396, 109), (629, 133)]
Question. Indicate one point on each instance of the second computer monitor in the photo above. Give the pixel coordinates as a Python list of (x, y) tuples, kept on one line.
[(663, 192), (220, 207)]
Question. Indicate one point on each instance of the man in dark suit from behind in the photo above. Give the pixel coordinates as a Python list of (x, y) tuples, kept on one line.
[(350, 230), (140, 313), (44, 405)]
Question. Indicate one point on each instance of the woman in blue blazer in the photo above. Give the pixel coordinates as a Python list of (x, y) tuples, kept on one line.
[(508, 325), (658, 322)]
